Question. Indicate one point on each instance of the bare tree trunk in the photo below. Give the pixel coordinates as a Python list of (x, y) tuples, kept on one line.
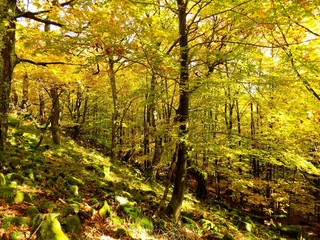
[(115, 114), (152, 114), (8, 61), (25, 93), (15, 97), (42, 104), (174, 207), (55, 115)]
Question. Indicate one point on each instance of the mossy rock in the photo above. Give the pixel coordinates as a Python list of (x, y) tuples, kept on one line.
[(132, 212), (187, 214), (235, 215), (13, 122), (32, 211), (94, 201), (190, 223), (28, 197), (207, 225), (105, 211), (29, 174), (16, 235), (60, 183), (215, 235), (48, 207), (144, 222), (122, 233), (15, 162), (117, 220), (228, 236), (19, 197), (72, 224), (3, 180), (245, 226), (16, 221), (37, 159), (163, 224), (8, 193), (101, 170), (74, 181), (66, 210), (50, 227), (74, 190), (294, 231)]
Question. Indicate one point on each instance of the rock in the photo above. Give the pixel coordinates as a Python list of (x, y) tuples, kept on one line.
[(32, 211), (294, 231), (72, 224), (105, 211), (228, 236)]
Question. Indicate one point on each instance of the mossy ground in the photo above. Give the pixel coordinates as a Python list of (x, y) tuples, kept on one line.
[(86, 197)]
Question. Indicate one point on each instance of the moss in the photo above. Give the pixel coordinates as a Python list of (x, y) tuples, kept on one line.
[(60, 183), (3, 181), (117, 220), (32, 211), (28, 197), (228, 236), (50, 227), (189, 223), (105, 211), (294, 231), (74, 181), (16, 235), (245, 226), (13, 122), (144, 222), (8, 193), (207, 225), (72, 224), (17, 221), (19, 197), (122, 233), (66, 210), (132, 212), (74, 190)]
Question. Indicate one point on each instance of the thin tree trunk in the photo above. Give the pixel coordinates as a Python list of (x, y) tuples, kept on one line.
[(55, 115), (25, 93), (158, 148), (115, 114), (174, 207), (42, 105), (8, 61)]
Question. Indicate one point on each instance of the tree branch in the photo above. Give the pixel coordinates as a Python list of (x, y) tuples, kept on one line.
[(21, 60), (33, 15)]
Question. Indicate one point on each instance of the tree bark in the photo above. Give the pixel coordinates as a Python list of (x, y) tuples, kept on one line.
[(115, 114), (55, 115), (174, 207), (42, 104), (8, 61), (25, 93)]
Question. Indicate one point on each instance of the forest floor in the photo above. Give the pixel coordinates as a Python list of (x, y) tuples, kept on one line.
[(73, 192)]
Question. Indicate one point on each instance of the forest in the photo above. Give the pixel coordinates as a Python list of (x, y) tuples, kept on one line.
[(159, 119)]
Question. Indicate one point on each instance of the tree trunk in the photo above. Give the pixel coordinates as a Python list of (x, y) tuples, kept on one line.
[(115, 114), (174, 207), (55, 114), (42, 104), (25, 93), (8, 61), (152, 114)]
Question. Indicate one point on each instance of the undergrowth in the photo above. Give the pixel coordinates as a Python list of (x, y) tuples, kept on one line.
[(71, 192)]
